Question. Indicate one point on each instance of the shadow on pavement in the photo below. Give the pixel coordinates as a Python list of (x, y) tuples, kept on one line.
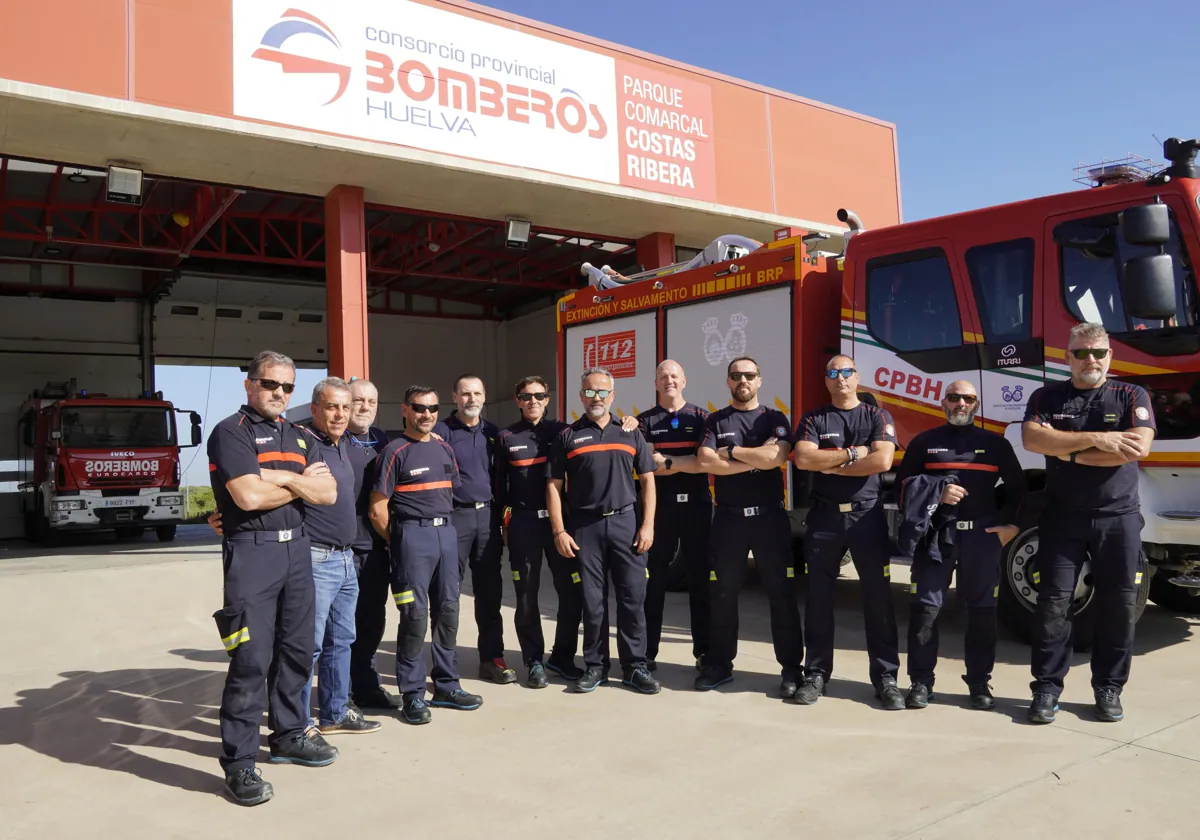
[(106, 543), (99, 719)]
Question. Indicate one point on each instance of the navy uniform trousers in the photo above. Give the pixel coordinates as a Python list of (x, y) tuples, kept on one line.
[(370, 617), (769, 536), (479, 549), (606, 548), (1114, 545), (425, 580), (688, 525), (267, 628), (863, 530), (529, 539), (974, 561)]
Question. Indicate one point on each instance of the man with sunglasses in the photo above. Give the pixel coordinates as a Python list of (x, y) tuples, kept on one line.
[(477, 520), (744, 446), (263, 472), (1093, 431), (371, 557), (411, 507), (521, 455), (675, 428), (846, 444), (598, 458), (977, 458)]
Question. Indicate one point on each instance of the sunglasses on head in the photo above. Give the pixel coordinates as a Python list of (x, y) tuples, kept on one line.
[(592, 393), (271, 385), (1096, 352), (845, 373), (526, 396), (969, 399), (423, 409), (744, 375)]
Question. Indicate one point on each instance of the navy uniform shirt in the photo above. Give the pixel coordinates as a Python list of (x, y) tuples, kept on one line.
[(242, 444), (978, 458), (1113, 407), (334, 525), (756, 488), (364, 450), (474, 447), (676, 433), (419, 477), (598, 464), (521, 454), (830, 427)]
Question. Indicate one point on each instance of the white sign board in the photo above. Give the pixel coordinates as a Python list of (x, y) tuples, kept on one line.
[(626, 347), (705, 337)]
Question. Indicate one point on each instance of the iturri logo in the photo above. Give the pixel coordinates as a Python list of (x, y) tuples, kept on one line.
[(294, 23)]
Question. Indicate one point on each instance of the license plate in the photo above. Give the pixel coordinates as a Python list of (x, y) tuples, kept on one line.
[(112, 503)]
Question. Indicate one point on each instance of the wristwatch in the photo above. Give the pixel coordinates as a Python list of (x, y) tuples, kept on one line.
[(1073, 454), (667, 463), (729, 449)]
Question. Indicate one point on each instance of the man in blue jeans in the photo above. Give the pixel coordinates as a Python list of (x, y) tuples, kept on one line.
[(332, 530)]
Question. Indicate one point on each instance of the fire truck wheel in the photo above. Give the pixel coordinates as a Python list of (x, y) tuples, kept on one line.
[(130, 532), (165, 533), (1173, 597), (37, 526)]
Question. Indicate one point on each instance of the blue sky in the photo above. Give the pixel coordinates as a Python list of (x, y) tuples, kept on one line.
[(992, 102)]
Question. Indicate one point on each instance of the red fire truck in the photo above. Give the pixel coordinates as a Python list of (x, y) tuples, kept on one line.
[(94, 462), (987, 296)]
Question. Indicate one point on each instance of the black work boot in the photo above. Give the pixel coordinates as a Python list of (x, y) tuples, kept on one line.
[(377, 698), (591, 678), (638, 678), (306, 748), (456, 699), (810, 690), (787, 686), (415, 710), (352, 724), (712, 677), (537, 676), (981, 696), (246, 787), (890, 697), (496, 671), (918, 696), (1043, 708), (566, 669), (1108, 705)]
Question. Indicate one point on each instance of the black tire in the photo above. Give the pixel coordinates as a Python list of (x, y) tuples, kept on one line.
[(1171, 597), (129, 532), (1018, 593), (165, 533), (37, 526)]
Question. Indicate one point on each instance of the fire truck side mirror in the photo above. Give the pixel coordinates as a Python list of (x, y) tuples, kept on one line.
[(1148, 224), (197, 432), (1150, 287)]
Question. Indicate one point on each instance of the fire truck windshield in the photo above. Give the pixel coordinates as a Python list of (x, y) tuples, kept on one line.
[(101, 427), (1092, 253)]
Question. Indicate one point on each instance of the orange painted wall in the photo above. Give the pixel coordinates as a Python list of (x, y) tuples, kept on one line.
[(774, 153)]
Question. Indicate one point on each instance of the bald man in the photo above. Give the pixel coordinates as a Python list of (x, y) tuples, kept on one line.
[(674, 428), (977, 458)]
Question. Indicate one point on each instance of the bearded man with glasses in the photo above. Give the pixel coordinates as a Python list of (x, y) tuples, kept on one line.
[(1093, 432), (847, 444), (969, 548)]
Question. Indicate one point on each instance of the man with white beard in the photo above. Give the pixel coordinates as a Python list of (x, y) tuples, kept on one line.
[(977, 458)]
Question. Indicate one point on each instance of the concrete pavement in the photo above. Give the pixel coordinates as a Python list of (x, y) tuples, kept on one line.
[(112, 673)]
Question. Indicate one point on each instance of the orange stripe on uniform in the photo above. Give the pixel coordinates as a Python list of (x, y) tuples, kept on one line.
[(266, 457), (682, 444), (602, 447), (429, 485), (529, 462), (956, 465), (212, 467)]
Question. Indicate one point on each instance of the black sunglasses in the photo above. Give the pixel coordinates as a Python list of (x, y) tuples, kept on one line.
[(1084, 352), (744, 375), (271, 385), (526, 396), (846, 373), (969, 399), (423, 409)]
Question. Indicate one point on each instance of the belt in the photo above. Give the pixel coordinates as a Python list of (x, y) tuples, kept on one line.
[(757, 510), (608, 512), (331, 548), (848, 507), (283, 536), (471, 505), (541, 514), (964, 525), (432, 522)]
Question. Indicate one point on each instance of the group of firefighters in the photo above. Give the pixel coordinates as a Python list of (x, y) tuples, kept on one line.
[(321, 520)]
